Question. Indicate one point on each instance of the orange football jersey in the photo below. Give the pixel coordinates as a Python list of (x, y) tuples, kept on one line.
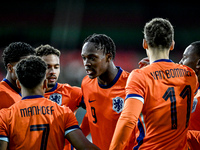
[(9, 94), (36, 123), (104, 105), (194, 125), (194, 119), (166, 90), (64, 94), (193, 139)]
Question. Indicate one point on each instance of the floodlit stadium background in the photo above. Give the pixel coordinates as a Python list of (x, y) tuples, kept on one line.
[(64, 24)]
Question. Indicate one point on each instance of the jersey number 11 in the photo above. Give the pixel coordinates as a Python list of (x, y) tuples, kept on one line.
[(170, 94)]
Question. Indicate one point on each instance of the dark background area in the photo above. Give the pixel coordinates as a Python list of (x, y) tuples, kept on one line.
[(65, 24)]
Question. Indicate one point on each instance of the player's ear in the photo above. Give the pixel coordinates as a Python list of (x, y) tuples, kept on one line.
[(198, 65), (144, 44), (45, 84), (9, 67), (172, 45), (108, 57), (18, 84)]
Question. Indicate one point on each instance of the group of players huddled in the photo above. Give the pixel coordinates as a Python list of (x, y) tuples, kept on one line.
[(154, 107)]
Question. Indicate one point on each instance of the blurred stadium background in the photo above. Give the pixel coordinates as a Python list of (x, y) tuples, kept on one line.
[(64, 24)]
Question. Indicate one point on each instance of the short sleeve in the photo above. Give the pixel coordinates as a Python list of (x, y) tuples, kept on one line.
[(135, 86), (3, 125), (71, 122)]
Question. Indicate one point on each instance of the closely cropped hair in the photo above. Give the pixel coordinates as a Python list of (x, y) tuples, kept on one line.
[(102, 42), (15, 51), (31, 71), (45, 50), (196, 47), (159, 33)]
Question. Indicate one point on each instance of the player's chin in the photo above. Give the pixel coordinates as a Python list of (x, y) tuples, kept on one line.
[(50, 85), (92, 76)]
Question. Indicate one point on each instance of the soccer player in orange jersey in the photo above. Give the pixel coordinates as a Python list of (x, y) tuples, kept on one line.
[(12, 54), (160, 95), (103, 89), (62, 94), (191, 58), (36, 122)]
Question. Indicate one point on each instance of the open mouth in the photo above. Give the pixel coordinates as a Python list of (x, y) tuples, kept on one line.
[(52, 79), (89, 71)]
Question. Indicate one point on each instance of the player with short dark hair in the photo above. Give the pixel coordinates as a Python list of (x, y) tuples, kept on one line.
[(191, 58), (61, 93), (36, 122), (160, 95), (103, 89), (12, 54)]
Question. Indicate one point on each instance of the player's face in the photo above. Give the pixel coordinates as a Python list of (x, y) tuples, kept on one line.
[(95, 61), (53, 70), (189, 58)]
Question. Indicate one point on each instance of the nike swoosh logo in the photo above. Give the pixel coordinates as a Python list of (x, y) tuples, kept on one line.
[(90, 101)]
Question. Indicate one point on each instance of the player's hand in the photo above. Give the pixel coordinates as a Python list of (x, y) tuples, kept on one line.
[(144, 62)]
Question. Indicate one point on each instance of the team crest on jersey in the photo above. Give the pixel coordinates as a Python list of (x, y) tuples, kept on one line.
[(194, 104), (118, 104), (56, 98)]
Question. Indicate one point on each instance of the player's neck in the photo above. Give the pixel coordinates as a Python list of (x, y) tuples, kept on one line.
[(108, 76), (28, 92), (13, 82), (156, 54), (48, 89)]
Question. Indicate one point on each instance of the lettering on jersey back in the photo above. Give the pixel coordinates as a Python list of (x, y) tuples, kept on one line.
[(56, 98), (118, 104), (171, 73), (36, 110)]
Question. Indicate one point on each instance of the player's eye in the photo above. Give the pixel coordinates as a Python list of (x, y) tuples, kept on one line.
[(56, 67), (92, 58), (83, 58)]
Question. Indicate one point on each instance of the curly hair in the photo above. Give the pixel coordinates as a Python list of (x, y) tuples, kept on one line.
[(31, 71), (104, 42), (15, 51), (159, 33), (45, 50)]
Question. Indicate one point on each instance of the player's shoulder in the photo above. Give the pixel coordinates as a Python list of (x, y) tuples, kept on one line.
[(86, 81), (185, 67), (6, 113), (65, 87), (125, 73), (139, 72), (4, 86)]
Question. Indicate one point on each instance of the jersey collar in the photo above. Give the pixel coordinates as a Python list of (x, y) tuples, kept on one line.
[(32, 97), (163, 60), (53, 89), (114, 81), (12, 86)]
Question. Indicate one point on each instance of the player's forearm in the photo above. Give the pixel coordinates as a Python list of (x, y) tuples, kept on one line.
[(3, 145), (79, 141), (126, 124)]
